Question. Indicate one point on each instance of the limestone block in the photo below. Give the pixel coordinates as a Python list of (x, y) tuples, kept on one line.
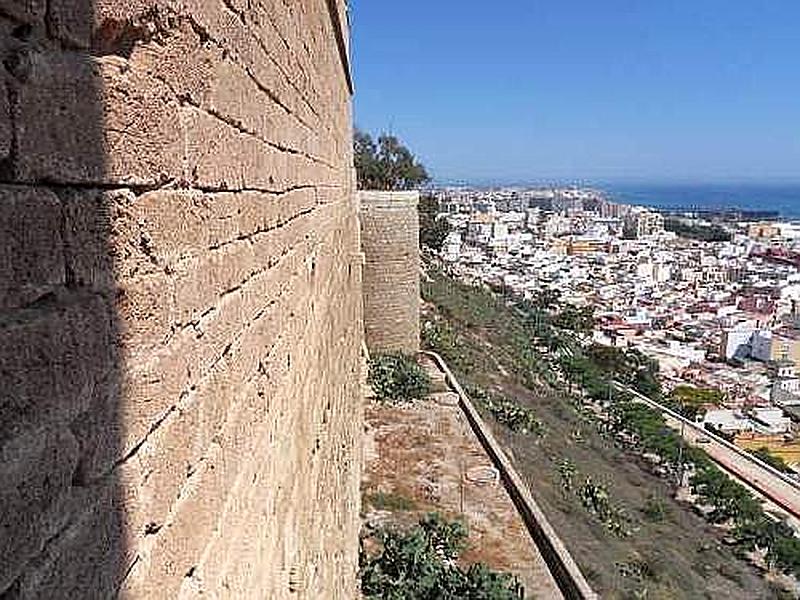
[(31, 253), (158, 471), (71, 21), (145, 309), (152, 388), (182, 224), (211, 79), (201, 281), (26, 11), (36, 468), (51, 357), (221, 158), (92, 121), (88, 557), (98, 431), (6, 129), (103, 240)]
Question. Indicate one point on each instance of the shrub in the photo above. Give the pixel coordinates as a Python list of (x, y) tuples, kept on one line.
[(655, 509), (422, 564), (776, 462), (439, 336), (390, 501), (516, 417), (397, 378), (596, 499)]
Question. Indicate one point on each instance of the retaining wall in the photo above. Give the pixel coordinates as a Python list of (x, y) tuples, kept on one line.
[(180, 300), (565, 571)]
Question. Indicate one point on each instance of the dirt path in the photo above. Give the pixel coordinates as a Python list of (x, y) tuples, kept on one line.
[(424, 458)]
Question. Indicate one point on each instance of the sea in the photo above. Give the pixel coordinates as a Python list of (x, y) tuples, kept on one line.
[(781, 198)]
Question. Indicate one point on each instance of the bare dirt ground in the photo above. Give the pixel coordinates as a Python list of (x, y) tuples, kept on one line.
[(419, 458)]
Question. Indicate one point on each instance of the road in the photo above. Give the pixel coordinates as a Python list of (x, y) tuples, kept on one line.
[(780, 490)]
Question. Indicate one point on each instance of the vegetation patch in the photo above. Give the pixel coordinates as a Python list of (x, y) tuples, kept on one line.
[(596, 499), (776, 462), (510, 413), (397, 378), (696, 231), (691, 401), (725, 501), (390, 501), (655, 508), (518, 350), (422, 564), (386, 164), (433, 228)]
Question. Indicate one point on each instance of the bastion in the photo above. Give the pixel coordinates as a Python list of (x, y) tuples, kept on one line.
[(390, 240)]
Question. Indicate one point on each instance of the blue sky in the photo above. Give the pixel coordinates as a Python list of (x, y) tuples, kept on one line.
[(589, 90)]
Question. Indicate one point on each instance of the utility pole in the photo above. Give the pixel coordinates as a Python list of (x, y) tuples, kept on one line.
[(680, 449), (461, 486)]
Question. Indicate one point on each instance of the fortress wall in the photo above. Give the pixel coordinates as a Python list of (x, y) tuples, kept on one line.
[(180, 300), (390, 240)]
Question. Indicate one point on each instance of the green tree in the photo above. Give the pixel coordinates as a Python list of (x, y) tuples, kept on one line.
[(705, 233), (432, 229), (386, 165), (547, 299), (689, 400), (579, 320), (365, 156)]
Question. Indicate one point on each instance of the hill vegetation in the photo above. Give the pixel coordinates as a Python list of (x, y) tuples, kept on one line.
[(607, 469)]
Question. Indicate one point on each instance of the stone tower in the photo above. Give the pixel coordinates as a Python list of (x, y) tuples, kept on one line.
[(390, 241)]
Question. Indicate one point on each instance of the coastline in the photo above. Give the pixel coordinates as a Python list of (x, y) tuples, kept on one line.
[(783, 199)]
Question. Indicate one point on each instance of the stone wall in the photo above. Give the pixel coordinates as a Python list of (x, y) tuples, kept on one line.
[(180, 300), (390, 239)]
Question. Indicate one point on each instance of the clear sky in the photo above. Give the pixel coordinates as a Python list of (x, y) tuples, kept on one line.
[(584, 90)]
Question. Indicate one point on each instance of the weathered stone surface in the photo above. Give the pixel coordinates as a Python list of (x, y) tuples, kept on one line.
[(222, 157), (180, 224), (123, 123), (188, 326), (26, 11), (71, 21), (50, 358), (31, 252), (390, 239), (36, 469), (6, 129), (103, 241), (88, 556)]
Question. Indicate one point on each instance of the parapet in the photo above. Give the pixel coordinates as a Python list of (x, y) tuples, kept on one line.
[(390, 242)]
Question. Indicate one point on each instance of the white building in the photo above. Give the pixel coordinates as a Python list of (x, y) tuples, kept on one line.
[(772, 421), (727, 421), (451, 249)]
